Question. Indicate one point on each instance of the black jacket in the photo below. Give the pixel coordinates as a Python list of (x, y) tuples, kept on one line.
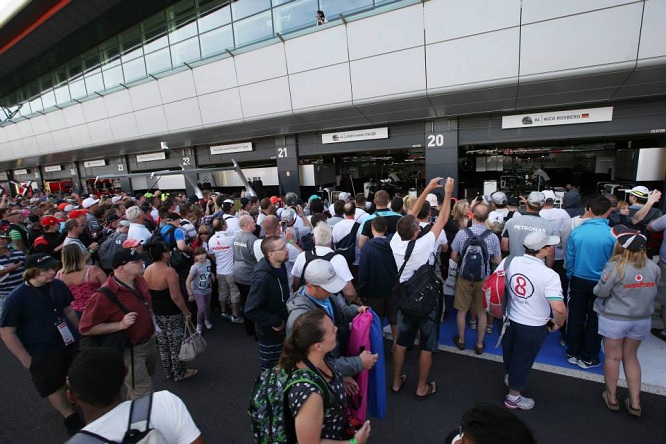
[(377, 272), (267, 301)]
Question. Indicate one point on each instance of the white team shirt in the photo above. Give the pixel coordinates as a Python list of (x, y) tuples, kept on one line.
[(221, 245), (232, 223), (558, 217), (423, 250), (339, 264), (168, 414), (531, 286)]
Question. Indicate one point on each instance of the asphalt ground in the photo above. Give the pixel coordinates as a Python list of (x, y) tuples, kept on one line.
[(568, 410)]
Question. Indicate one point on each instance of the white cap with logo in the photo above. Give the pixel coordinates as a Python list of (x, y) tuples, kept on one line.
[(320, 272), (536, 240)]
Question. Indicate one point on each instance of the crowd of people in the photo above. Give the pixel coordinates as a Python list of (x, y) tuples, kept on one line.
[(129, 272)]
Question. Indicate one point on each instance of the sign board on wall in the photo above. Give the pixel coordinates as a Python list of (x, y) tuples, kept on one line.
[(231, 148), (52, 168), (353, 136), (570, 117), (20, 172), (94, 163), (149, 157)]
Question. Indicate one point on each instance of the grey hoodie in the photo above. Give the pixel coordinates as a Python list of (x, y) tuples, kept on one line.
[(300, 303), (631, 298)]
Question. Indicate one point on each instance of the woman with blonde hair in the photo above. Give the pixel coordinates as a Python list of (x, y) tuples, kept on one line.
[(625, 302), (460, 214), (83, 280)]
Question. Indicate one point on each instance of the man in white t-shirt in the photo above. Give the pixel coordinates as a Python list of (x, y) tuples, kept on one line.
[(407, 231), (534, 292), (322, 238), (221, 245), (95, 379), (271, 226)]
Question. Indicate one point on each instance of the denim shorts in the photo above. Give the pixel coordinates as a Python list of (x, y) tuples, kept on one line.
[(427, 327), (638, 329)]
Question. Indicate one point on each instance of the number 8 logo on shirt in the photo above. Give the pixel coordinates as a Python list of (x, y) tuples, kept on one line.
[(521, 286)]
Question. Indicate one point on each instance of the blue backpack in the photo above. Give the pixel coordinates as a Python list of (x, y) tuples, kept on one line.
[(475, 263)]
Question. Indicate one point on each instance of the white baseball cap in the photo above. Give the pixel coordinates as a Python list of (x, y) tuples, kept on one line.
[(89, 202), (640, 192), (432, 200), (320, 272), (536, 240), (344, 196), (549, 195), (498, 198), (536, 198)]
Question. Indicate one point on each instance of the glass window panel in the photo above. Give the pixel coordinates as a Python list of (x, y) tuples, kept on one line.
[(60, 75), (383, 2), (183, 32), (186, 51), (77, 89), (216, 41), (253, 29), (214, 19), (138, 52), (113, 76), (91, 60), (48, 99), (130, 39), (295, 15), (45, 82), (154, 32), (134, 69), (74, 69), (36, 105), (208, 5), (181, 13), (246, 8), (62, 95), (155, 44), (33, 89), (333, 8), (158, 61), (94, 81), (281, 2)]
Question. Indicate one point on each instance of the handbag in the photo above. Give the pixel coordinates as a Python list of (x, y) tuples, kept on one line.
[(420, 295), (193, 344)]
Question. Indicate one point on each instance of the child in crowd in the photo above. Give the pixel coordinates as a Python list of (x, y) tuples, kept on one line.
[(199, 287)]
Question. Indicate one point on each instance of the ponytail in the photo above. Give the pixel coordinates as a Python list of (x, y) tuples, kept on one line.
[(307, 331)]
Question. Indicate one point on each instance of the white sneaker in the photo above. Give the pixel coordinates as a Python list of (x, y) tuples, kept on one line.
[(572, 359), (522, 403), (208, 324), (226, 316), (237, 319), (199, 328)]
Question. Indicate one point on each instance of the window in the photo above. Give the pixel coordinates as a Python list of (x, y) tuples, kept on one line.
[(215, 19), (254, 29), (216, 41), (134, 69), (186, 51), (333, 8), (295, 15), (158, 61), (246, 8)]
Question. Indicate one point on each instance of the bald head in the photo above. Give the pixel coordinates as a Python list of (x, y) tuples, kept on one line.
[(271, 225), (246, 223), (480, 212)]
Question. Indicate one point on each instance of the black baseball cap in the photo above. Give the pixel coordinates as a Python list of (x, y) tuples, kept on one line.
[(125, 256), (41, 260)]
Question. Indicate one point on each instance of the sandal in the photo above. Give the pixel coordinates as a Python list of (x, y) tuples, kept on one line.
[(432, 389), (480, 350), (612, 407), (632, 411), (188, 374), (460, 344), (403, 379), (472, 325)]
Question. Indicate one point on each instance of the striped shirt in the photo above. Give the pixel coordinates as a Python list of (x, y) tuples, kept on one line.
[(14, 278)]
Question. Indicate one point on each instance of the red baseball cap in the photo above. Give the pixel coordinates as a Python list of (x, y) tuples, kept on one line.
[(49, 221), (75, 214), (275, 199)]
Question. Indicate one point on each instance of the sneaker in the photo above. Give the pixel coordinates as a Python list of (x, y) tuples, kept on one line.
[(237, 319), (563, 343), (226, 316), (208, 324), (199, 328), (571, 359), (587, 364), (522, 403)]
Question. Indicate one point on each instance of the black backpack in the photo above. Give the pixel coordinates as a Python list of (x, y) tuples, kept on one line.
[(311, 255), (346, 247), (475, 262)]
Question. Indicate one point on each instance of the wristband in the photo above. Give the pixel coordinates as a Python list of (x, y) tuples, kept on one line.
[(352, 441), (292, 242)]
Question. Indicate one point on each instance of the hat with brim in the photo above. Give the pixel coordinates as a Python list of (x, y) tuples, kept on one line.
[(321, 273), (125, 256), (41, 260), (536, 240), (630, 239)]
